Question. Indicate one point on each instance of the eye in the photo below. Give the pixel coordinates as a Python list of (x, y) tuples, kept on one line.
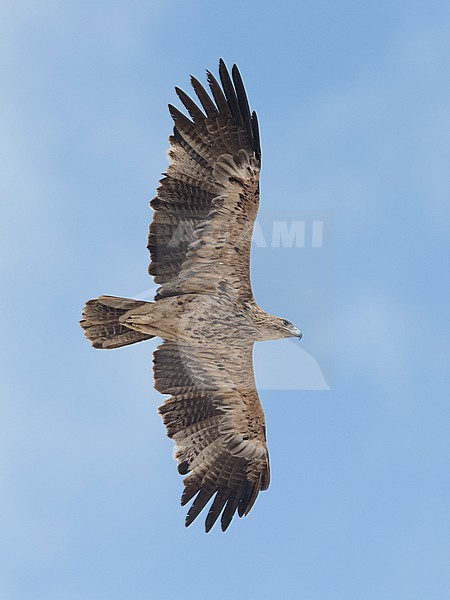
[(285, 322)]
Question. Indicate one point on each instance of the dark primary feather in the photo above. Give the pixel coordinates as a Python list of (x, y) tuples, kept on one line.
[(219, 97), (242, 97), (205, 100), (255, 133), (230, 92), (190, 106)]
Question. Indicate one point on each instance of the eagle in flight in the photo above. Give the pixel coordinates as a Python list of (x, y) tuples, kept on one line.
[(204, 310)]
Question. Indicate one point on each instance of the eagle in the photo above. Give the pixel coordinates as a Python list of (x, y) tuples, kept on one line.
[(204, 310)]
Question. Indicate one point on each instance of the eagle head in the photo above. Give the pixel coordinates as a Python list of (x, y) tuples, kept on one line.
[(288, 329), (274, 328)]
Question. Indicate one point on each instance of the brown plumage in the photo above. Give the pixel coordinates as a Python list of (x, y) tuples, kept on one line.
[(204, 310)]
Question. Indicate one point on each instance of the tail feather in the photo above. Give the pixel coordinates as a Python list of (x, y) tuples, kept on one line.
[(102, 326)]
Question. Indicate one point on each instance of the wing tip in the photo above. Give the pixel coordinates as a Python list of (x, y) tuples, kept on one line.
[(228, 99)]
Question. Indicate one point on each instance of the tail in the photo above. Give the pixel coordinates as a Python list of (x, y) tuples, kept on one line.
[(102, 326)]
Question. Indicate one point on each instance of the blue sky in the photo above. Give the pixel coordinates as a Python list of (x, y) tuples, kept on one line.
[(353, 100)]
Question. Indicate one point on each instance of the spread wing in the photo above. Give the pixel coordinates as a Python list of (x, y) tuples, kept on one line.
[(206, 205), (215, 418)]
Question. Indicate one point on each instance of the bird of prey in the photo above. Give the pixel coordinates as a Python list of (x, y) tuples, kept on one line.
[(204, 309)]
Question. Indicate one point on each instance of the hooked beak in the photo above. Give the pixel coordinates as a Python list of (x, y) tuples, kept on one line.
[(297, 333)]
